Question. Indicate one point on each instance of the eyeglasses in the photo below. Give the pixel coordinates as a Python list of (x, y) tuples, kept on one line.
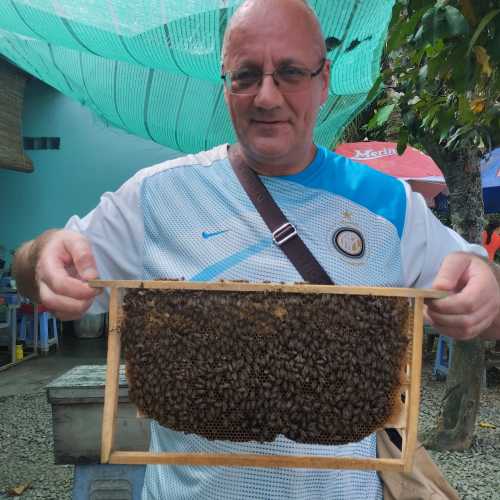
[(288, 77)]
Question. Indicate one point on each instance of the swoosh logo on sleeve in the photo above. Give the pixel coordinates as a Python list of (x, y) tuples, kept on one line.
[(207, 235)]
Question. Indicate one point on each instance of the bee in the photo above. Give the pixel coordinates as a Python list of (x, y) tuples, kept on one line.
[(315, 368)]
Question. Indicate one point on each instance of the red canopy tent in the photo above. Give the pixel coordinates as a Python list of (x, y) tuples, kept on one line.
[(413, 166)]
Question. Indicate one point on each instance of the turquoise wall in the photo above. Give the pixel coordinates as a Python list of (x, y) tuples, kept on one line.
[(93, 158)]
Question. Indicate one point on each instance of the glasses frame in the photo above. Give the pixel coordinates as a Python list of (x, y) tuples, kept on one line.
[(312, 74)]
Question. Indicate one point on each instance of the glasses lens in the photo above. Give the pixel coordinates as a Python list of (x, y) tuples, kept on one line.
[(292, 78), (245, 80)]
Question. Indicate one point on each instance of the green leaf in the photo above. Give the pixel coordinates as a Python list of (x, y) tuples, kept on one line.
[(441, 22), (376, 89), (402, 140), (381, 116), (456, 23), (493, 44), (445, 123), (430, 116), (457, 69), (402, 29), (435, 49), (464, 112), (410, 120), (484, 22), (414, 5), (495, 111), (434, 66)]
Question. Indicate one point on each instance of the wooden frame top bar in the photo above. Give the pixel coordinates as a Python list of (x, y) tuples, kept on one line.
[(235, 286)]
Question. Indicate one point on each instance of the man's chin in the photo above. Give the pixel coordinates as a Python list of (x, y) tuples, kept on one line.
[(268, 150)]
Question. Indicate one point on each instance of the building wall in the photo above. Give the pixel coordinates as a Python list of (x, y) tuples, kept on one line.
[(93, 158)]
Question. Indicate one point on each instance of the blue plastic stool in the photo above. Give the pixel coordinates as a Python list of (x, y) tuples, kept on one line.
[(47, 330), (443, 357)]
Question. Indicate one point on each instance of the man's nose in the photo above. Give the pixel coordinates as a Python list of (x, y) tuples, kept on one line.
[(269, 94)]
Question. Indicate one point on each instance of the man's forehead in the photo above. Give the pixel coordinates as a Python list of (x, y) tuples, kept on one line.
[(275, 15), (245, 42), (257, 60), (275, 25)]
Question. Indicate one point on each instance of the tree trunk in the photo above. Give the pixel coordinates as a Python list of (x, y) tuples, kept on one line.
[(455, 426)]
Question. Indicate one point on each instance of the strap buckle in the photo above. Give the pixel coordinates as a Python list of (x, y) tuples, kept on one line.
[(284, 233)]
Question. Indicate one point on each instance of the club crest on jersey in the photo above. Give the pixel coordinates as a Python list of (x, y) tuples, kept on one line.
[(349, 242)]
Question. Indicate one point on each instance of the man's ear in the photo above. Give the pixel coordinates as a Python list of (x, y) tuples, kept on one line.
[(325, 79), (224, 86)]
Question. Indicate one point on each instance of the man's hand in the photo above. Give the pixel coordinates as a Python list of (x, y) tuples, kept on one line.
[(52, 271), (473, 307)]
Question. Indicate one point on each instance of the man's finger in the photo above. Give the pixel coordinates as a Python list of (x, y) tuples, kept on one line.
[(450, 275), (53, 272), (72, 287), (463, 326), (467, 321), (63, 305), (459, 333), (82, 257), (463, 302)]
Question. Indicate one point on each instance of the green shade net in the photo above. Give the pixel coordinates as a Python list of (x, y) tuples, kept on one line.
[(152, 67)]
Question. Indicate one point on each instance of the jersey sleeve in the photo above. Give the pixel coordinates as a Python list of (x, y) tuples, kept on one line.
[(115, 230), (426, 242)]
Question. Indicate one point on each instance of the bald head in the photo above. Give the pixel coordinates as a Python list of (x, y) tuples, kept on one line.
[(290, 12), (276, 45)]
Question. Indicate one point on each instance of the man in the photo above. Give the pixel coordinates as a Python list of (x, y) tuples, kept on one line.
[(190, 217)]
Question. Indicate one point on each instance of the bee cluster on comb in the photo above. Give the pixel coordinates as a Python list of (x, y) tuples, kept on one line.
[(247, 366)]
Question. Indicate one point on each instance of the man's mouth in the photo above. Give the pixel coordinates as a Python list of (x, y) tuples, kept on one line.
[(269, 122)]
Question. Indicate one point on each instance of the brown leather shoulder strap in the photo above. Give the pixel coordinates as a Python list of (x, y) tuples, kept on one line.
[(284, 234)]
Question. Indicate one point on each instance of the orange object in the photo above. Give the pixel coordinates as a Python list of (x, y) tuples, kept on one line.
[(494, 244)]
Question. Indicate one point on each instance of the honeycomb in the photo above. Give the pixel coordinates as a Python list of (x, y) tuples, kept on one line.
[(247, 366)]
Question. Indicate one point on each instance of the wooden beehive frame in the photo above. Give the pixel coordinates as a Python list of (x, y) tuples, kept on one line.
[(405, 417)]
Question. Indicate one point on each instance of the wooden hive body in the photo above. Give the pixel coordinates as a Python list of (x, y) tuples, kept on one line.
[(404, 410)]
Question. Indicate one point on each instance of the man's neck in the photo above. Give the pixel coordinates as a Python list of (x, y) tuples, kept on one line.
[(271, 169)]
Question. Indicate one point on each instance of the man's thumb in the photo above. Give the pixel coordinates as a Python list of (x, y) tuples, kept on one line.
[(451, 272)]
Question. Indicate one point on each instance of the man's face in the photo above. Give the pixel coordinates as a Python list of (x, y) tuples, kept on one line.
[(274, 127)]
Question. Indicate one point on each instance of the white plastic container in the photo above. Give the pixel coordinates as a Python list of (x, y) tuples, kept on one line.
[(90, 326)]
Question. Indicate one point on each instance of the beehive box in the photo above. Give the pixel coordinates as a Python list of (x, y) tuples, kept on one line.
[(242, 362)]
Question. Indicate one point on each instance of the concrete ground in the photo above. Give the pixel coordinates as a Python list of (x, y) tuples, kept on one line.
[(27, 451), (34, 374)]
